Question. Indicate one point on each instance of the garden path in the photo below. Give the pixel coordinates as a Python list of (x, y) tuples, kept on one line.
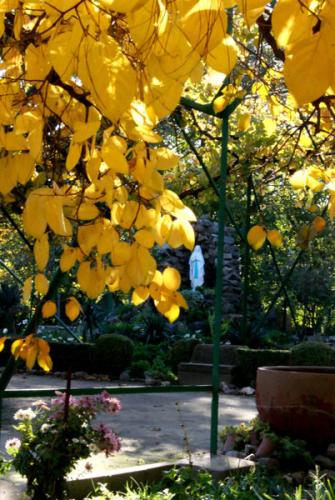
[(150, 425)]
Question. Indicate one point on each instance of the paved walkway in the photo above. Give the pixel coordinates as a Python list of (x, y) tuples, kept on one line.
[(152, 427)]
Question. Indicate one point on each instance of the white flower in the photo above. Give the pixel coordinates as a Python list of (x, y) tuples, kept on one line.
[(5, 330), (45, 427), (13, 443), (27, 414)]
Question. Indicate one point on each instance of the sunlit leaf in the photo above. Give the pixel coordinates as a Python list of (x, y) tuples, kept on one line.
[(256, 237)]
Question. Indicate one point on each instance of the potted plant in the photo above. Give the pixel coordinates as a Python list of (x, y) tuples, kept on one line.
[(53, 438)]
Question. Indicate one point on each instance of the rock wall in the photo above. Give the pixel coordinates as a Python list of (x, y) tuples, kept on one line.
[(207, 237)]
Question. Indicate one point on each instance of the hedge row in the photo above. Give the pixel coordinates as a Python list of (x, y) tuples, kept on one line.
[(110, 355), (113, 353)]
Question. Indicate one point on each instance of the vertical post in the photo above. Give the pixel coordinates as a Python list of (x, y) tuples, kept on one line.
[(219, 289), (246, 261)]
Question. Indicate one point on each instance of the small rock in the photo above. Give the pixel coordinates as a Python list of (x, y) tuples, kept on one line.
[(331, 450), (229, 390), (324, 462), (247, 391), (124, 376), (152, 381), (269, 463), (234, 453), (224, 387), (156, 429), (249, 448), (298, 477), (251, 457), (288, 478)]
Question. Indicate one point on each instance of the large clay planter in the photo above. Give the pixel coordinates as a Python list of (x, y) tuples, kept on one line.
[(298, 401)]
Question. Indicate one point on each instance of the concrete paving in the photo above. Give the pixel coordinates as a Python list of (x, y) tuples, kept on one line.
[(153, 427)]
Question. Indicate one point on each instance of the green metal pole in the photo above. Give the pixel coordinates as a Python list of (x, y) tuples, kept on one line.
[(219, 290)]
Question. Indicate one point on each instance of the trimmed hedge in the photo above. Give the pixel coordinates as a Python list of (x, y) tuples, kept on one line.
[(251, 359), (113, 353), (312, 354)]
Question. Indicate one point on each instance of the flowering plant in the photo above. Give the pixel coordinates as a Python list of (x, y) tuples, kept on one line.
[(55, 437)]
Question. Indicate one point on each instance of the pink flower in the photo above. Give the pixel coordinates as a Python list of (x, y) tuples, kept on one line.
[(109, 404), (108, 441)]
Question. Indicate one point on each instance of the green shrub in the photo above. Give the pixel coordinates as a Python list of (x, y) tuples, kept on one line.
[(180, 351), (113, 354), (159, 370), (138, 368), (148, 352), (248, 360), (312, 354)]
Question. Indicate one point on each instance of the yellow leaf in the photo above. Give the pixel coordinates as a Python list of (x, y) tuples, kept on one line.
[(314, 184), (171, 279), (107, 74), (166, 159), (139, 295), (275, 238), (43, 346), (251, 9), (121, 253), (145, 238), (180, 301), (220, 103), (331, 207), (49, 309), (244, 121), (307, 68), (112, 156), (37, 63), (187, 234), (16, 347), (256, 237), (291, 22), (83, 131), (72, 308), (73, 155), (68, 258), (87, 211), (318, 224), (25, 167), (173, 313), (41, 283), (34, 217), (122, 6), (31, 356), (2, 343), (223, 57), (55, 216), (41, 252), (27, 289), (44, 362), (298, 179), (269, 126)]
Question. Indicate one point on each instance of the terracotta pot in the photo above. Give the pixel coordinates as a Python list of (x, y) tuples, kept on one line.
[(265, 448), (229, 443), (298, 401)]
